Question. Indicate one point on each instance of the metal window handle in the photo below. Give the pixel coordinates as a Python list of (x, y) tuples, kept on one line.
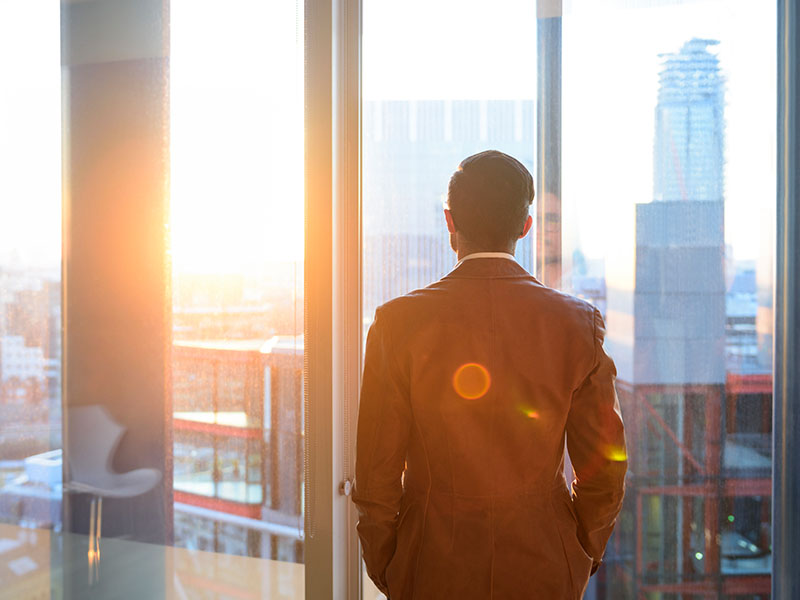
[(345, 487)]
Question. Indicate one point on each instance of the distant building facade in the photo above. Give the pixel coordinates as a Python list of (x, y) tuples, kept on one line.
[(19, 361), (30, 362), (238, 447), (411, 149)]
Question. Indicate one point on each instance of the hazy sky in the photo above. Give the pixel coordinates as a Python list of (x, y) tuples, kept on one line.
[(30, 132), (236, 133), (475, 49), (236, 147), (611, 66)]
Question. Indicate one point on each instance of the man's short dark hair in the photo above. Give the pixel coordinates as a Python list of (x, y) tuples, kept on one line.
[(489, 196)]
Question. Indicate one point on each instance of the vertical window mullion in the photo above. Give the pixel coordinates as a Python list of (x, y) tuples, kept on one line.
[(786, 390), (347, 286), (333, 256)]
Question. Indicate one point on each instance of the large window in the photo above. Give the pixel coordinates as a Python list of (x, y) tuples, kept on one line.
[(424, 110), (182, 182), (182, 307), (668, 129), (237, 271), (656, 128)]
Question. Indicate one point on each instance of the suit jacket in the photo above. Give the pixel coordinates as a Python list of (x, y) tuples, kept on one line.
[(470, 387)]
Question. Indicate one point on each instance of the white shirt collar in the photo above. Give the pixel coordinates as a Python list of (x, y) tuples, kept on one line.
[(505, 255)]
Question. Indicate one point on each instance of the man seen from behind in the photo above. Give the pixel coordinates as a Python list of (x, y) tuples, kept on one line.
[(470, 388)]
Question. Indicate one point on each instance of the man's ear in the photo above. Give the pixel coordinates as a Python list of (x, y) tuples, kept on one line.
[(448, 216), (527, 227)]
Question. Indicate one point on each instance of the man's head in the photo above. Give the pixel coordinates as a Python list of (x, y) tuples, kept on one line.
[(487, 203)]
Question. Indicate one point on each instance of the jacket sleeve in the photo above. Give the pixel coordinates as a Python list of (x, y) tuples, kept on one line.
[(596, 444), (384, 422)]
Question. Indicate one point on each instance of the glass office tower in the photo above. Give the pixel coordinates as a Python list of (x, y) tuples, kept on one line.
[(697, 412)]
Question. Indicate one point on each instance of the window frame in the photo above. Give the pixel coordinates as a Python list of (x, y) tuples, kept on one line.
[(786, 479), (333, 293), (786, 323)]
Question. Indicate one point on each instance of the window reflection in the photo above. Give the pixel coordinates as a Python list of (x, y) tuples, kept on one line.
[(667, 171)]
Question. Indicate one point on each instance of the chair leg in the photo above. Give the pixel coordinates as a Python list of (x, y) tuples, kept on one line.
[(98, 528), (92, 554)]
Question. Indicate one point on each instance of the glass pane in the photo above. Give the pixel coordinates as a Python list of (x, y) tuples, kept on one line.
[(237, 249), (30, 268), (182, 425), (668, 183), (425, 109), (30, 293), (663, 218)]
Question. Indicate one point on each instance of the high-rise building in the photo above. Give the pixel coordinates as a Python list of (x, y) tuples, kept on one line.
[(694, 510), (689, 140)]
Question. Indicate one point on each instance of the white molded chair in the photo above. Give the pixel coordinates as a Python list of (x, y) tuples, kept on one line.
[(93, 440)]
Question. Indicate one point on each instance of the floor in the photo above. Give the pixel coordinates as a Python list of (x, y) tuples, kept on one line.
[(39, 564)]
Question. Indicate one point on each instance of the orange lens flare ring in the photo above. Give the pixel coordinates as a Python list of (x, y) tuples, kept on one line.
[(471, 381)]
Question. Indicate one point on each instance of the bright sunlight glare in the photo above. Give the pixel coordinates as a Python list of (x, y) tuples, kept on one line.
[(236, 134)]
